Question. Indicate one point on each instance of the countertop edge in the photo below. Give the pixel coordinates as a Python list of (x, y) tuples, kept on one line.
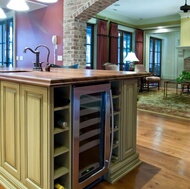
[(60, 79)]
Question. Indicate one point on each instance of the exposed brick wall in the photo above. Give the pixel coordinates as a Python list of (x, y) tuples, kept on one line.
[(76, 15)]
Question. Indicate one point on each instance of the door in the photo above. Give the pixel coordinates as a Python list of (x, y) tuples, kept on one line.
[(91, 133), (155, 56)]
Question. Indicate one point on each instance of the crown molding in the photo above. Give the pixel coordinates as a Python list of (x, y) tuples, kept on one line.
[(173, 20)]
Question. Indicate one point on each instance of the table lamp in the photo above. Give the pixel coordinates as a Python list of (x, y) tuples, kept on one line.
[(131, 57)]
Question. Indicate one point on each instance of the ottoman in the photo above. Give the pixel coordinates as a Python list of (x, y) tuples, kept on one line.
[(153, 79)]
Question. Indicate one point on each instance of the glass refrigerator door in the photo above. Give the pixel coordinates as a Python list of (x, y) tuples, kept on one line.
[(91, 132)]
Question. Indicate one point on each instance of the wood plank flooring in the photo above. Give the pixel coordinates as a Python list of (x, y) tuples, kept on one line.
[(163, 143)]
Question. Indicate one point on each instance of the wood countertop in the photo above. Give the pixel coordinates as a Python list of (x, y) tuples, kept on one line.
[(58, 76)]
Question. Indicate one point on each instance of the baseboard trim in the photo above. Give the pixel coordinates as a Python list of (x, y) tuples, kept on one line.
[(122, 168)]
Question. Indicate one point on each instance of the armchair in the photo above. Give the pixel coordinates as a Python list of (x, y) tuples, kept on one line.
[(146, 82), (110, 66)]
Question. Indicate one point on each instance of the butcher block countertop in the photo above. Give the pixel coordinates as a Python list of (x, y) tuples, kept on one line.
[(60, 76)]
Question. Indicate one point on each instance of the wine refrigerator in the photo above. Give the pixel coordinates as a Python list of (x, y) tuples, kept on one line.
[(92, 110)]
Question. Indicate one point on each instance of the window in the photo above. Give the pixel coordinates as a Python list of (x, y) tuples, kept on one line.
[(6, 43), (89, 45), (124, 47), (155, 56)]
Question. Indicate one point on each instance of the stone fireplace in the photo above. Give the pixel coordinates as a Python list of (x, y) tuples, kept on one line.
[(187, 64), (183, 62)]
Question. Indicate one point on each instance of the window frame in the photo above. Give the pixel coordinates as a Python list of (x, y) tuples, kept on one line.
[(6, 42), (123, 64), (90, 64), (155, 56)]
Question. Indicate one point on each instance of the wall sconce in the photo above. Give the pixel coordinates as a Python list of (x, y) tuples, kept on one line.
[(48, 1), (131, 57), (2, 14), (18, 5)]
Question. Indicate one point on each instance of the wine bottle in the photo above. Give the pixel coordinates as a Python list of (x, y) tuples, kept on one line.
[(116, 142), (116, 91), (113, 157), (59, 186), (62, 124), (116, 108), (64, 101), (61, 101)]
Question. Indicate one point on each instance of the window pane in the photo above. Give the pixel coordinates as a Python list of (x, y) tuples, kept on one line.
[(6, 42), (119, 39), (88, 35), (88, 53), (155, 56), (89, 46), (124, 46)]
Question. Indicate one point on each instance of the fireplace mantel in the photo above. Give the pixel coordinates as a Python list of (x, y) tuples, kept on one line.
[(182, 49), (183, 61)]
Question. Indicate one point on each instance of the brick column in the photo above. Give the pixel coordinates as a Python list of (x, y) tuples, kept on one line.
[(76, 15)]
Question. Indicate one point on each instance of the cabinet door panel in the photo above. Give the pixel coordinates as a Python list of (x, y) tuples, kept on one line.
[(34, 132), (10, 128), (129, 111)]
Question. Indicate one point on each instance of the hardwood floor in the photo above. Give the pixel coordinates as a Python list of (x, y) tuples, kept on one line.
[(163, 143), (1, 187)]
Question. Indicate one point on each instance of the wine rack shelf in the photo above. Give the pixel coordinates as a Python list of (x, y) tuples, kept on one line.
[(60, 172), (61, 108), (60, 150), (62, 136), (60, 130), (116, 95)]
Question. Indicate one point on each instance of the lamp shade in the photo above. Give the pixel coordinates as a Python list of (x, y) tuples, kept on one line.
[(48, 1), (18, 5), (131, 57), (2, 14)]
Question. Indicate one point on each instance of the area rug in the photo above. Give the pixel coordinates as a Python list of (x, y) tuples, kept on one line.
[(174, 105)]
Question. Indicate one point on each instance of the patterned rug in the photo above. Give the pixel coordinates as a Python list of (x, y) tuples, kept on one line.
[(174, 105)]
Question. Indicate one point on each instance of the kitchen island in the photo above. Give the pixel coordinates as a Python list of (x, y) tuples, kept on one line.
[(30, 156)]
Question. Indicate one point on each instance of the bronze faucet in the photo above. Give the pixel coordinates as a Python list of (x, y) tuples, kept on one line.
[(37, 64), (47, 68), (47, 50)]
